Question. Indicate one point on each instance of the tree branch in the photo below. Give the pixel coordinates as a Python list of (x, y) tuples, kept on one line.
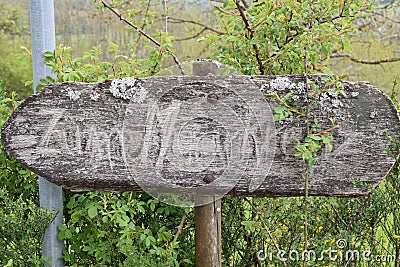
[(251, 35), (358, 211), (142, 32), (245, 4), (165, 15), (191, 37), (372, 62), (384, 16), (315, 38), (338, 215), (177, 20), (180, 227), (327, 130), (146, 13)]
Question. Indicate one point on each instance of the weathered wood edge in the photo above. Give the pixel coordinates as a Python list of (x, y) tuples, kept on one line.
[(365, 190), (234, 191)]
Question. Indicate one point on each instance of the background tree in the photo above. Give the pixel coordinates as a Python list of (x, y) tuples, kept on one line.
[(15, 65), (374, 55)]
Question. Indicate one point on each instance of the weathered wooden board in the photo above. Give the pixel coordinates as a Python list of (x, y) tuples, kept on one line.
[(199, 134)]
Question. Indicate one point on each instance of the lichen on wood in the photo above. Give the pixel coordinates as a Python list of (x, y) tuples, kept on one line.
[(128, 89), (76, 135)]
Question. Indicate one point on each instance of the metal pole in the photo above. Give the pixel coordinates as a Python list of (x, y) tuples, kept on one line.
[(207, 218), (50, 195)]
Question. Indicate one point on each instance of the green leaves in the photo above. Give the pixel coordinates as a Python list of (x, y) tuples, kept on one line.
[(108, 227), (281, 113), (250, 226), (49, 58), (14, 178), (92, 212), (22, 226), (313, 143), (64, 232), (285, 33), (327, 139), (43, 82)]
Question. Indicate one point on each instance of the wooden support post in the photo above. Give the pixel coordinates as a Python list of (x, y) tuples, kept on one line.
[(207, 217), (208, 234)]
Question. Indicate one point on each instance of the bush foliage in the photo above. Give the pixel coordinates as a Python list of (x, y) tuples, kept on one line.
[(22, 222)]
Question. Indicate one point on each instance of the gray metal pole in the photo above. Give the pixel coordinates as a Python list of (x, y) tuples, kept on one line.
[(50, 195)]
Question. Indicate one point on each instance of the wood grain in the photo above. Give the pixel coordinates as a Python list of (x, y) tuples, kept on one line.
[(176, 134)]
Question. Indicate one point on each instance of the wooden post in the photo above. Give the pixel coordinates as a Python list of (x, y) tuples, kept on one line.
[(208, 234), (207, 217)]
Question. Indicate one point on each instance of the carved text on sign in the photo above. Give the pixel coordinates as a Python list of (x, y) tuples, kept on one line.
[(197, 134), (197, 130)]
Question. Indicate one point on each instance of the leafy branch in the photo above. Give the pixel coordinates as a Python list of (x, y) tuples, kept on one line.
[(142, 32), (179, 228), (286, 110), (250, 35)]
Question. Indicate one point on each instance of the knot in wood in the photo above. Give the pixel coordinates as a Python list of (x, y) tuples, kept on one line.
[(212, 98), (209, 178)]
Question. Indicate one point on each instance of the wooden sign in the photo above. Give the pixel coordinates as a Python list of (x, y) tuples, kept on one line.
[(200, 135)]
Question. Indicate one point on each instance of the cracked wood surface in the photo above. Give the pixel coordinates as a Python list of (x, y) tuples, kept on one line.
[(208, 133)]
